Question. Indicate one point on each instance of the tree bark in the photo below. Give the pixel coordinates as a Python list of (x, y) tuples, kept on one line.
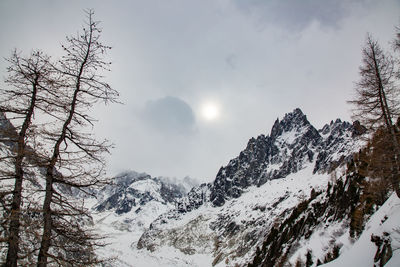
[(46, 237), (389, 126), (14, 228)]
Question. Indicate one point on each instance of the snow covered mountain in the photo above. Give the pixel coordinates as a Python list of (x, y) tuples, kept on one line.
[(123, 210), (225, 222), (290, 198), (132, 190)]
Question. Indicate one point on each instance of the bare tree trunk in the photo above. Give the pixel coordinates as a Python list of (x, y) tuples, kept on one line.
[(396, 149), (14, 228), (390, 128), (73, 151), (47, 228), (46, 236)]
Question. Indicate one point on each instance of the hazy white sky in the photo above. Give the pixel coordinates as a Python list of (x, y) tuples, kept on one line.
[(244, 62)]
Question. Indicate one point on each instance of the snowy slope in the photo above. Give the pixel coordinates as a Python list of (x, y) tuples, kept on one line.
[(231, 233), (122, 211), (280, 183), (259, 189), (196, 238), (362, 252)]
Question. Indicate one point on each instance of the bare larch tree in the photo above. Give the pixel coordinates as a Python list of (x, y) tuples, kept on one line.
[(28, 89), (376, 101), (76, 161)]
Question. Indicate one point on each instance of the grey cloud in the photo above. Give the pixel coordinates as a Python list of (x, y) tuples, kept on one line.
[(170, 115), (231, 61), (296, 15), (208, 50)]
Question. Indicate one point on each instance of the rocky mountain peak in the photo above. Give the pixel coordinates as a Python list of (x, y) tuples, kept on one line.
[(290, 122), (134, 190), (292, 144), (277, 165), (337, 126)]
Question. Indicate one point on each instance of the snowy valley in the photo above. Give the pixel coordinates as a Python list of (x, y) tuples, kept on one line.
[(166, 133), (287, 199)]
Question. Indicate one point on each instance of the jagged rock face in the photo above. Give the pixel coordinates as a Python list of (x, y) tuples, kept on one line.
[(256, 189), (196, 197), (132, 189), (291, 143), (338, 139)]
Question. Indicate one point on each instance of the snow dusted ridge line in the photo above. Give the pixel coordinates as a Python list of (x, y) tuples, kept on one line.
[(292, 143), (132, 190), (226, 219), (155, 222), (124, 210)]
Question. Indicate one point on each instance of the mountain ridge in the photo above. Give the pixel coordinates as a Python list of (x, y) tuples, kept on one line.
[(270, 205), (294, 152), (292, 142)]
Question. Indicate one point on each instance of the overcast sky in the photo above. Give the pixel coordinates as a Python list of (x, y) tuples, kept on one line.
[(249, 62)]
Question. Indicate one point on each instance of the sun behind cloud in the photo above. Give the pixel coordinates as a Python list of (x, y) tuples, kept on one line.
[(210, 111)]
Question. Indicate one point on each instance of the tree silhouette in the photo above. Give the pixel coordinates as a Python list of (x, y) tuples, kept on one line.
[(76, 160), (28, 92), (376, 101)]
